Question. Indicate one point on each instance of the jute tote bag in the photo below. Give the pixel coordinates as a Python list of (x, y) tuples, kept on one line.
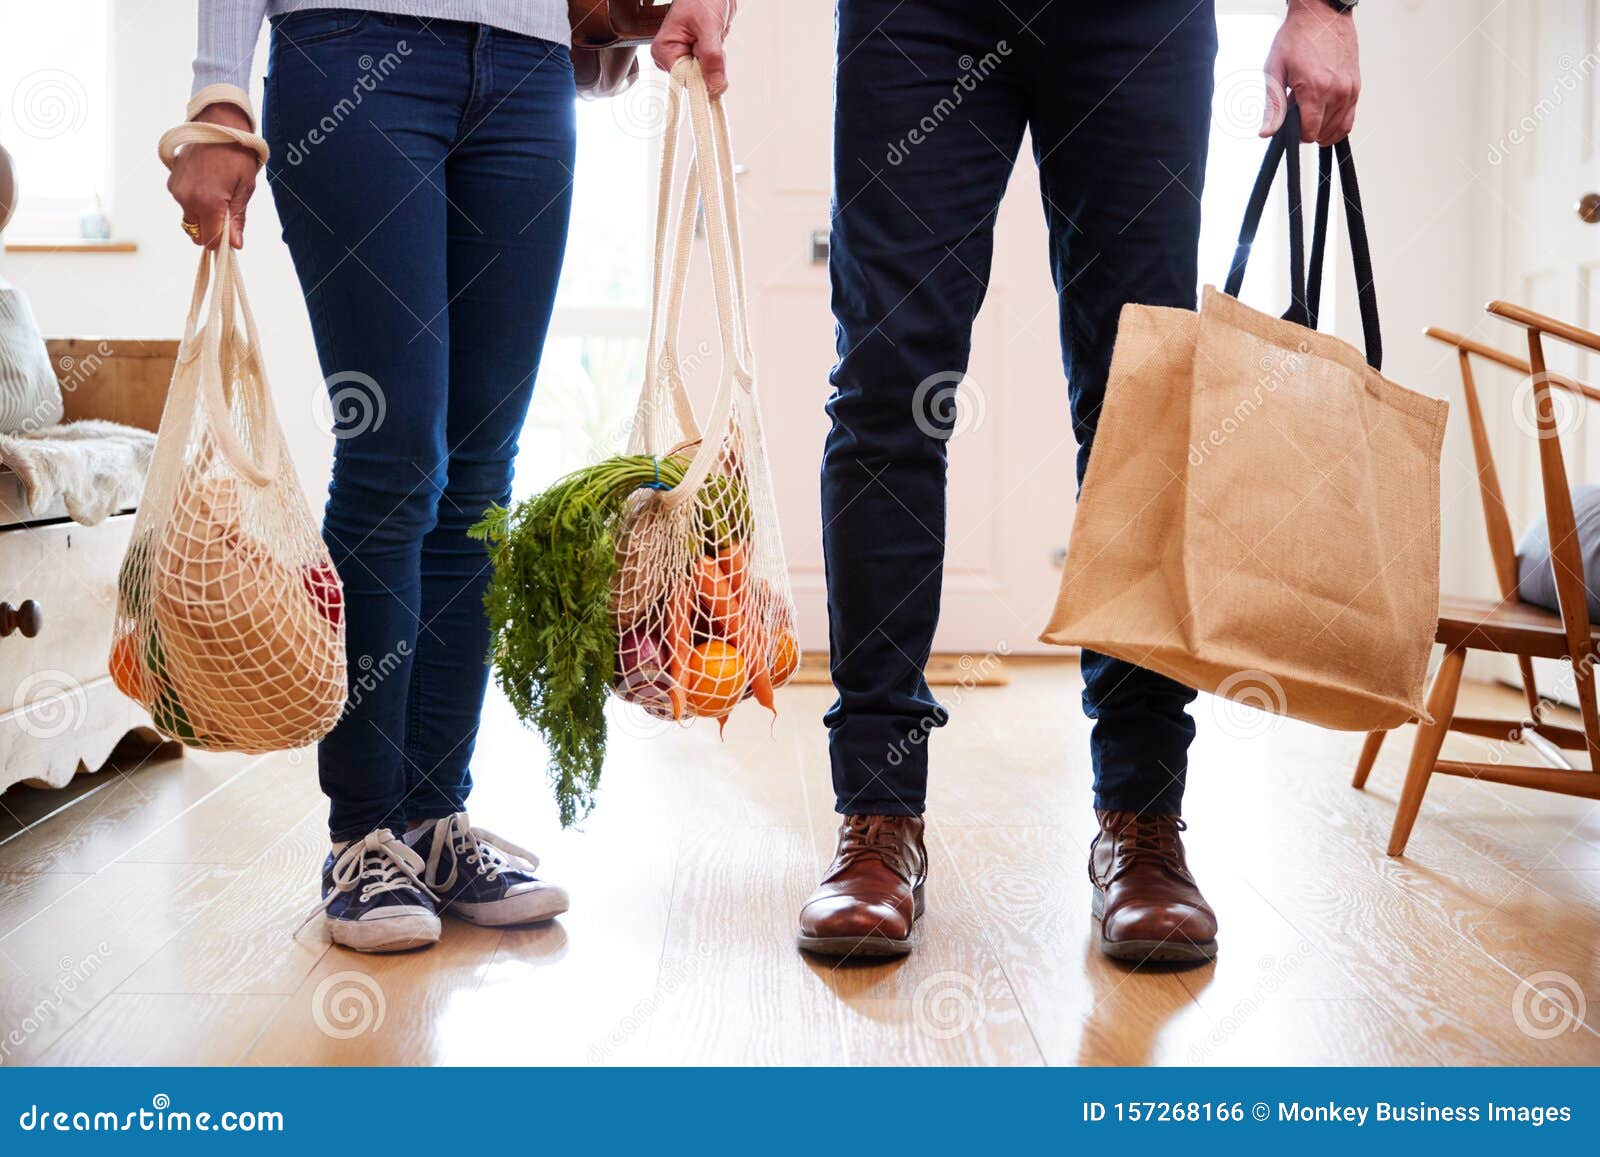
[(703, 603), (1260, 516), (230, 625)]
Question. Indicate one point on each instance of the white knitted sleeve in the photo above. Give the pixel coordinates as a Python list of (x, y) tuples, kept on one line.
[(228, 32)]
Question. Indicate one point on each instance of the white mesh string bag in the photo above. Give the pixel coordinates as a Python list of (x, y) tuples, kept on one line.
[(230, 616), (705, 615)]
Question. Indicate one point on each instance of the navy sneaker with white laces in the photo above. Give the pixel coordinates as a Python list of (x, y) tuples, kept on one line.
[(373, 896), (481, 878)]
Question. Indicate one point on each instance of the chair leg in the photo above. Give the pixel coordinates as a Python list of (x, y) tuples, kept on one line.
[(1424, 754), (1369, 756)]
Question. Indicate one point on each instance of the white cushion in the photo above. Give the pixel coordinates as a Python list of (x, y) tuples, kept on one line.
[(30, 396)]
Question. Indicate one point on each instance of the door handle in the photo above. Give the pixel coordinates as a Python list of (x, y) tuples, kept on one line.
[(1588, 208)]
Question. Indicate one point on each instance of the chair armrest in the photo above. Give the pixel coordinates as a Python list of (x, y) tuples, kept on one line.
[(1543, 323), (1509, 361), (113, 379)]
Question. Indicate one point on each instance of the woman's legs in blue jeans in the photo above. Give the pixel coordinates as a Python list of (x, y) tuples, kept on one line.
[(427, 228), (509, 185)]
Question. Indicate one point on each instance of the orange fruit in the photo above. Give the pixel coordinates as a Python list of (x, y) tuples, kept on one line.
[(785, 657), (714, 679), (127, 668)]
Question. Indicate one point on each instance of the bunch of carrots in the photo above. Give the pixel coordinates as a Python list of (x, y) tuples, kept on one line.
[(705, 645), (587, 598)]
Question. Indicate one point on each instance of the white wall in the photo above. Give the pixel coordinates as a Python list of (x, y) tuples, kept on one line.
[(145, 294), (1418, 137), (1418, 142)]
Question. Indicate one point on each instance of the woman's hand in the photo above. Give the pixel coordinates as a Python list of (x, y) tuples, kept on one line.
[(213, 183), (1315, 57), (696, 28)]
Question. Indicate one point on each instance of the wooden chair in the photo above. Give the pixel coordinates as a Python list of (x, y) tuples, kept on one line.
[(1509, 625)]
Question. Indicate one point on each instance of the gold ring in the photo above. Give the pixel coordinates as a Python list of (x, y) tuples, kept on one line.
[(192, 229)]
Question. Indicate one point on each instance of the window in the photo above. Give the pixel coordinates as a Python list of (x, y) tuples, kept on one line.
[(593, 361), (55, 111)]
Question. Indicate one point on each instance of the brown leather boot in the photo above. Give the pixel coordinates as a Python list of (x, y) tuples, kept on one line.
[(1149, 907), (871, 895)]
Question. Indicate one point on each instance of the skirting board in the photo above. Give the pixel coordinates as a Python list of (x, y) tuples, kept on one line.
[(943, 670)]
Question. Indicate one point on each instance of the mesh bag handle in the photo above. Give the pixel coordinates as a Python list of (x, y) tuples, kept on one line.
[(204, 133), (224, 357), (710, 176)]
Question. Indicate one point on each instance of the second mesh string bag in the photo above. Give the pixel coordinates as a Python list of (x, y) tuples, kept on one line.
[(657, 576), (230, 624)]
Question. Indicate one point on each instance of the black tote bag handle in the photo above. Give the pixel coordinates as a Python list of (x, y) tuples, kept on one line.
[(1305, 295)]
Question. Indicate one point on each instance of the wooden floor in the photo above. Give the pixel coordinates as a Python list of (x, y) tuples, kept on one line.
[(154, 920)]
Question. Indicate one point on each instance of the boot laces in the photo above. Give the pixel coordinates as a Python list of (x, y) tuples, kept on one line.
[(872, 837), (1152, 837)]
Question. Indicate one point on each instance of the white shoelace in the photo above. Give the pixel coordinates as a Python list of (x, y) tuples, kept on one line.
[(378, 863), (488, 854)]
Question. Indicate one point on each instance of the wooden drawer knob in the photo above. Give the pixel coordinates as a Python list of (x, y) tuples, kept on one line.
[(27, 618)]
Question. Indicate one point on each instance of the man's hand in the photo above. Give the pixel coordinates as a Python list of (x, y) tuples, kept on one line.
[(213, 183), (1314, 55), (696, 28)]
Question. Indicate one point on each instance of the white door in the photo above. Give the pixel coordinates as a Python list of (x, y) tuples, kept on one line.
[(1012, 480), (1011, 473), (1546, 151)]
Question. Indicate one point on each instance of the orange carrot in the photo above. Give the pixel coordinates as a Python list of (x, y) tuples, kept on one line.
[(731, 561), (678, 641), (752, 643)]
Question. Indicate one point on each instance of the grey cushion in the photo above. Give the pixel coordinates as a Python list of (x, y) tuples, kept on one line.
[(1536, 581)]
